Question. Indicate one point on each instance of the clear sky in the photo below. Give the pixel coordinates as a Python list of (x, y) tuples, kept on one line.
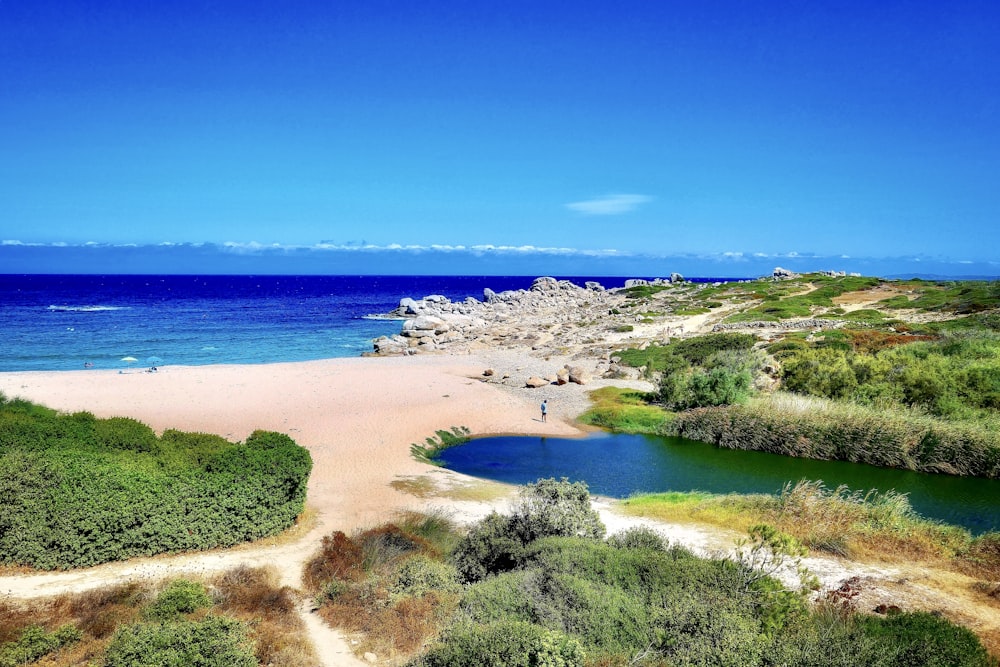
[(715, 138)]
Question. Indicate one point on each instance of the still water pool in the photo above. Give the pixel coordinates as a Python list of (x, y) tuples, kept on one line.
[(619, 465)]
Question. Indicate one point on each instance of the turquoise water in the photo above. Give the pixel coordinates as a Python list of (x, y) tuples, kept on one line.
[(620, 465)]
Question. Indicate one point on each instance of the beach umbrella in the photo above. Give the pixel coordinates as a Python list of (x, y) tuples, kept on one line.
[(154, 361), (129, 360)]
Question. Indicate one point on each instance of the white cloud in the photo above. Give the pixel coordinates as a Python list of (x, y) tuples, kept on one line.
[(609, 204)]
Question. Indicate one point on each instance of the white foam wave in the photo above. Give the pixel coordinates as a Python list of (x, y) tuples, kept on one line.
[(86, 309)]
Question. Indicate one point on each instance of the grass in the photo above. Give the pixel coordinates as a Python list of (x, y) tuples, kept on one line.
[(443, 439), (624, 411), (870, 526)]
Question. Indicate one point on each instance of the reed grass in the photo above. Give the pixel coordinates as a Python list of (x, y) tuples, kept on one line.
[(816, 428), (860, 525)]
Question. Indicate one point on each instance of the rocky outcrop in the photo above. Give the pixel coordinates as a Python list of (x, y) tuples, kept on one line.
[(783, 274)]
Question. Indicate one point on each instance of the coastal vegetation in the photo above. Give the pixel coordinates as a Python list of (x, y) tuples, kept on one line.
[(242, 617), (921, 394), (541, 586), (76, 491), (442, 439)]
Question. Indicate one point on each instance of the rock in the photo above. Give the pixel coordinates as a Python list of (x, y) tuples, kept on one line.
[(535, 382), (562, 376), (407, 306), (488, 372), (544, 284), (489, 296), (579, 374), (386, 346), (593, 286), (437, 298), (635, 282), (424, 323), (676, 278), (370, 657), (783, 274)]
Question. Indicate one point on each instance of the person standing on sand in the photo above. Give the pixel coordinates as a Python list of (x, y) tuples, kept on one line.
[(545, 408)]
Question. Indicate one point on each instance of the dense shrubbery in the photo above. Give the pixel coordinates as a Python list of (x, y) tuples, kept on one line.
[(212, 641), (955, 377), (582, 601), (77, 491)]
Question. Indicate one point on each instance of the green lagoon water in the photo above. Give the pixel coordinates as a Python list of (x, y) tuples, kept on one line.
[(620, 465)]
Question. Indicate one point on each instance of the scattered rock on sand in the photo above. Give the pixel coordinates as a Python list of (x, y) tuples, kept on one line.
[(535, 382)]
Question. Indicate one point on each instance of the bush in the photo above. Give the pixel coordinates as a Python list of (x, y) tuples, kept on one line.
[(549, 507), (211, 642), (491, 546), (179, 597), (35, 643), (420, 574), (503, 644), (545, 508), (639, 537), (78, 491), (922, 638)]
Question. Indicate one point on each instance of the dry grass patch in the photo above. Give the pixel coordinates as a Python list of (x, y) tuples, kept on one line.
[(255, 595), (388, 585)]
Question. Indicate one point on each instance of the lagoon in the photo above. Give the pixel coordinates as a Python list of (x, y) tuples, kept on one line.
[(620, 465)]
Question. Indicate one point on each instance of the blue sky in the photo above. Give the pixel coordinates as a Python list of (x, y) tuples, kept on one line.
[(720, 138)]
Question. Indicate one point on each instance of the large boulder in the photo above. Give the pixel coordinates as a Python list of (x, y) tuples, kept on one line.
[(389, 346), (578, 374), (424, 323), (408, 306), (635, 282), (535, 382), (544, 284), (783, 274)]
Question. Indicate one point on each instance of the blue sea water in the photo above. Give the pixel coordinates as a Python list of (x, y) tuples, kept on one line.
[(62, 322)]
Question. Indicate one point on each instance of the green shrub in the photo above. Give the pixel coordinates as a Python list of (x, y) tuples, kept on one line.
[(549, 507), (545, 508), (922, 638), (491, 546), (211, 642), (421, 574), (639, 537), (35, 643), (78, 491), (503, 644), (179, 597)]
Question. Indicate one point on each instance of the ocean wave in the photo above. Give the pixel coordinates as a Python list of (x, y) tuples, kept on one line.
[(86, 309), (382, 317)]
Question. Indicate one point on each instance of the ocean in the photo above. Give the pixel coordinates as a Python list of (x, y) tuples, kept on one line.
[(70, 322)]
